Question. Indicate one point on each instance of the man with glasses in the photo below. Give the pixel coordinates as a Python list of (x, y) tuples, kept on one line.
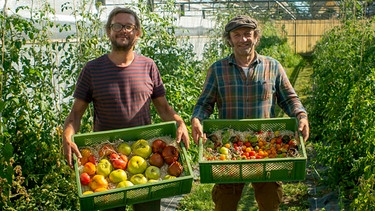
[(121, 85)]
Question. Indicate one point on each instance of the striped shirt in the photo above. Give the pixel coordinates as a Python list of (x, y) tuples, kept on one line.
[(255, 96), (121, 95)]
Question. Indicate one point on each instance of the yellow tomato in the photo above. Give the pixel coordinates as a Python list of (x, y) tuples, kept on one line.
[(100, 189), (88, 192), (98, 181)]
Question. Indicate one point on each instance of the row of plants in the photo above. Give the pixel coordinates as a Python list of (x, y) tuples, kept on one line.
[(342, 111)]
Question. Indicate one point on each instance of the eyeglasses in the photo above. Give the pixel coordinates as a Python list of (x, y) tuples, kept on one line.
[(116, 27)]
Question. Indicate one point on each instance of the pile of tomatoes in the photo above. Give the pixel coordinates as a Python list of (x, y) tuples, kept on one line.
[(235, 145)]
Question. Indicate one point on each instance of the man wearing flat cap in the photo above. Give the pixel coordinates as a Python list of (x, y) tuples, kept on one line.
[(246, 85)]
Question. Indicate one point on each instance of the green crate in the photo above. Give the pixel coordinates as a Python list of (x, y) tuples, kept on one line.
[(257, 170), (138, 193)]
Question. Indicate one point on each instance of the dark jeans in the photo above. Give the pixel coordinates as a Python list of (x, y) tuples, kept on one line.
[(267, 194)]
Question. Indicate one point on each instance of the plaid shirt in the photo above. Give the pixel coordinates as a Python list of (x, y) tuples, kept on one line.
[(241, 97)]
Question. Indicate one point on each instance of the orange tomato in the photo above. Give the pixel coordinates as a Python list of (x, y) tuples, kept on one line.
[(261, 153), (86, 153), (89, 168), (260, 144), (222, 157)]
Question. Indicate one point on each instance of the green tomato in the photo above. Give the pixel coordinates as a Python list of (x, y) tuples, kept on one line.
[(104, 167)]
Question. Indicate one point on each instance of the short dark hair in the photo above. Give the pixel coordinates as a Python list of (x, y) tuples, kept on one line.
[(118, 10)]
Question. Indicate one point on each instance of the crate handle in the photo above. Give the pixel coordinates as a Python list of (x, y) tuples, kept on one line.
[(190, 170), (200, 151), (268, 175)]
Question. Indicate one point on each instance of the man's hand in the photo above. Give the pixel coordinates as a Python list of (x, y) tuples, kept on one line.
[(69, 147), (71, 125), (303, 126), (183, 134), (197, 131)]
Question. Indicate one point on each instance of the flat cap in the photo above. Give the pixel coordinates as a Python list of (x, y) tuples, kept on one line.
[(241, 21)]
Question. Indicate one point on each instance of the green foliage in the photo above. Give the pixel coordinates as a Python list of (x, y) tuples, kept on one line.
[(199, 199), (274, 43), (33, 109), (342, 108), (295, 196), (174, 57)]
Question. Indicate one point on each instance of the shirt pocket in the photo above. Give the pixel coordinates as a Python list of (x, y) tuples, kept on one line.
[(265, 88)]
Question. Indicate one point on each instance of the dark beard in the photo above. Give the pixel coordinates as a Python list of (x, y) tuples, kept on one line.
[(117, 47)]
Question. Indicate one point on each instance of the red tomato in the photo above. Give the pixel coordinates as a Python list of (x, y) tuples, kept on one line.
[(119, 161), (292, 142), (85, 178), (106, 150), (252, 153)]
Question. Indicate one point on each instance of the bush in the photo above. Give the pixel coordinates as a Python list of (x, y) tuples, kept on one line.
[(342, 108)]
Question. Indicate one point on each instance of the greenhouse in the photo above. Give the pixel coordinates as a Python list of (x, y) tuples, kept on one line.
[(324, 50)]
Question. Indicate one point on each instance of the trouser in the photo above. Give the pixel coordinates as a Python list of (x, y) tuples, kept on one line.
[(149, 206), (267, 194)]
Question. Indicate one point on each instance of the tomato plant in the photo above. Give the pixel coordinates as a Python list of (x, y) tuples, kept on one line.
[(342, 108)]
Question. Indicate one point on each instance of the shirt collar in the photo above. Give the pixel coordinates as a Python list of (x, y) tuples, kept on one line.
[(255, 62)]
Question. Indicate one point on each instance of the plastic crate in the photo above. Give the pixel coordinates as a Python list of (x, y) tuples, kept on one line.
[(256, 170), (137, 193)]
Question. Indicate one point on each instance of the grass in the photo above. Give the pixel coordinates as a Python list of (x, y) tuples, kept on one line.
[(295, 197), (198, 199)]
